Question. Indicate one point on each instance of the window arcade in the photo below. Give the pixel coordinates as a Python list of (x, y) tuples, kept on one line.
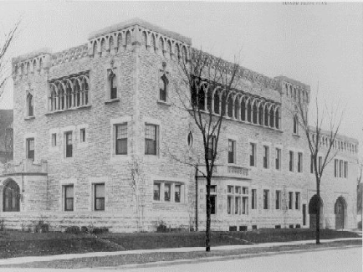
[(69, 92)]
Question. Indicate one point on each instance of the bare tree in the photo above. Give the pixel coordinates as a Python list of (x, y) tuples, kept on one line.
[(206, 84), (321, 142), (5, 44)]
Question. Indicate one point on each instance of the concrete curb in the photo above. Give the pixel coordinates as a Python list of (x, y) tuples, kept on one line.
[(22, 260), (217, 258)]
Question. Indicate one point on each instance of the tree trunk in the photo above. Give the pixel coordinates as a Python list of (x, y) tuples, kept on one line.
[(207, 229), (318, 213)]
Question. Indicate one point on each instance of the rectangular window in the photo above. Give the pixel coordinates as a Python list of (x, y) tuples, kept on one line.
[(291, 161), (254, 199), (231, 151), (290, 200), (345, 169), (213, 201), (229, 204), (151, 139), (335, 168), (121, 139), (265, 199), (320, 163), (68, 197), (69, 145), (82, 135), (278, 200), (252, 154), (237, 205), (244, 205), (30, 148), (278, 159), (210, 148), (157, 191), (167, 192), (299, 162), (297, 201), (265, 157), (177, 193), (340, 168), (99, 197), (54, 139)]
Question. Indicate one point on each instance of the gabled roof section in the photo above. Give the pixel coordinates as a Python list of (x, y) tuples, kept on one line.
[(142, 23)]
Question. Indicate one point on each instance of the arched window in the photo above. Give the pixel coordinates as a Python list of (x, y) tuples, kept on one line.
[(77, 93), (163, 88), (295, 125), (112, 84), (260, 115), (224, 103), (61, 97), (272, 117), (209, 100), (266, 115), (249, 111), (236, 108), (230, 106), (277, 118), (243, 109), (69, 95), (254, 113), (30, 105), (53, 98), (216, 102), (84, 91), (11, 197), (201, 99)]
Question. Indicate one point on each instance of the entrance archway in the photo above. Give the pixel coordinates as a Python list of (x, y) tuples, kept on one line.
[(340, 212), (313, 210), (11, 196)]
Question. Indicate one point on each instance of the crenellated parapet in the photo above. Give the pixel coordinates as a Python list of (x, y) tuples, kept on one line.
[(293, 89), (242, 72), (31, 63), (120, 37)]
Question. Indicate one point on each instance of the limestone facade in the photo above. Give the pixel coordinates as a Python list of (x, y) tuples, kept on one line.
[(102, 98)]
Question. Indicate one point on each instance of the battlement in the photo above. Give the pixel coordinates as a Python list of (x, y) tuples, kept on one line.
[(124, 36), (143, 24)]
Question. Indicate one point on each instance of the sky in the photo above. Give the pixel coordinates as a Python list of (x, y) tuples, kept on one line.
[(317, 43)]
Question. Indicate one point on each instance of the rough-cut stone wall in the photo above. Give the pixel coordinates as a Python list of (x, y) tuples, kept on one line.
[(129, 178)]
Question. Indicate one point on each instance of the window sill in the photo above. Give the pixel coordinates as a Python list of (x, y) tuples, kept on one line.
[(296, 135), (168, 203), (29, 117), (161, 102), (109, 101), (71, 109)]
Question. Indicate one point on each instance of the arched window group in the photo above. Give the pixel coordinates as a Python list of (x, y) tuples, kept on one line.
[(67, 93), (236, 105)]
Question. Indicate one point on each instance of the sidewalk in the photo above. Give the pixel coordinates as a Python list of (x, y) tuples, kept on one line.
[(22, 260)]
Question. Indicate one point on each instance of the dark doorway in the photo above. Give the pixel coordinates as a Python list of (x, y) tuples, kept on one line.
[(339, 211), (304, 214), (314, 204)]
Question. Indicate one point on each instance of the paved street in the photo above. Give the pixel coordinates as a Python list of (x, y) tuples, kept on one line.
[(343, 260), (330, 260)]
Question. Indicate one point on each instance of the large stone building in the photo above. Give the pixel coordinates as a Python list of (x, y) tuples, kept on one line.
[(98, 130)]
